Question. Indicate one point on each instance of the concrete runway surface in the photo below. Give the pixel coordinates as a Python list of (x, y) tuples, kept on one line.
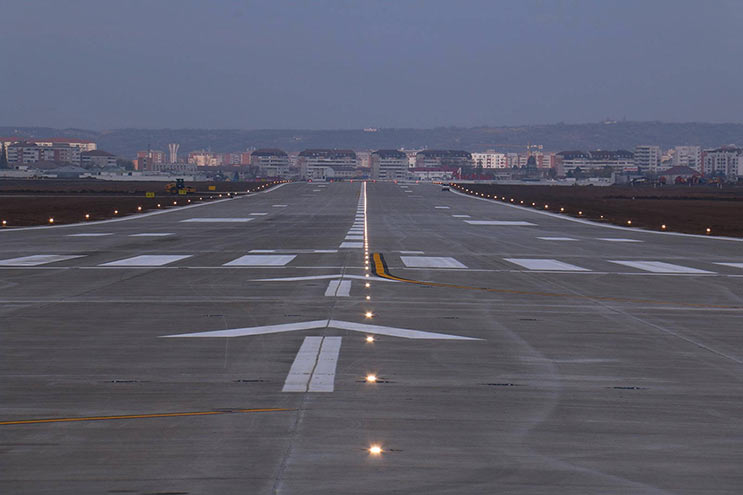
[(223, 349)]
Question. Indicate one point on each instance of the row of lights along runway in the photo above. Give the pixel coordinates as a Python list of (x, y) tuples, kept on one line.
[(371, 378), (463, 189), (87, 217)]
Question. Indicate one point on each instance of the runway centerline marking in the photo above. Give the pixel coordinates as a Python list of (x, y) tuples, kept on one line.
[(557, 238)]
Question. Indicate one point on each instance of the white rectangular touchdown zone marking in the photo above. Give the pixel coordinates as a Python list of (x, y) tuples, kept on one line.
[(152, 234), (351, 245), (512, 223), (545, 264), (659, 267), (217, 220), (262, 260), (37, 259), (148, 260), (618, 239), (431, 262), (557, 238), (91, 234), (313, 369)]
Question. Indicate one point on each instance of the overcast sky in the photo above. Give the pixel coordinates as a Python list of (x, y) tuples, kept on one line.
[(314, 64)]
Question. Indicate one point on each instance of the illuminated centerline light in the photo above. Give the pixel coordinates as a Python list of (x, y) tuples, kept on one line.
[(375, 450)]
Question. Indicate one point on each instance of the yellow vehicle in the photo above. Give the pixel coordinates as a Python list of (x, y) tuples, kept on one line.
[(179, 187)]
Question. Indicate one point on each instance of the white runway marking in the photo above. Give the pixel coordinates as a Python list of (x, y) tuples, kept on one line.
[(545, 264), (279, 206), (351, 245), (338, 288), (411, 252), (323, 377), (91, 234), (441, 207), (394, 332), (262, 260), (557, 238), (354, 238), (313, 369), (500, 222), (431, 262), (316, 190), (259, 214), (262, 251), (658, 267), (617, 239), (152, 234), (37, 259), (324, 250), (319, 324), (461, 216), (148, 260), (218, 220), (321, 277), (734, 265)]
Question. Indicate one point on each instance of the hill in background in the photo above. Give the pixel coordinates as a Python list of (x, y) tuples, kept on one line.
[(554, 137)]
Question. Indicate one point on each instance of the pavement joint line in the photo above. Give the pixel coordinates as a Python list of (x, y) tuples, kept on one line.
[(142, 416), (380, 269)]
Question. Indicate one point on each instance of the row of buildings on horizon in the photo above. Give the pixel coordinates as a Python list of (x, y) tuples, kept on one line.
[(687, 162)]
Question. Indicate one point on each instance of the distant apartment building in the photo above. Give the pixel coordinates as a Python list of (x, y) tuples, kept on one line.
[(79, 144), (412, 155), (178, 167), (618, 161), (23, 152), (726, 160), (490, 159), (97, 159), (363, 159), (323, 164), (647, 158), (151, 157), (450, 159), (389, 165), (210, 159), (688, 156), (271, 162)]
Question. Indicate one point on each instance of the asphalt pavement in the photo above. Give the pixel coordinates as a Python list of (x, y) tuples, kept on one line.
[(227, 347)]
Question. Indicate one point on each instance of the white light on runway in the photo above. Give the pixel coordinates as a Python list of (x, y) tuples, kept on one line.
[(369, 339), (371, 378), (375, 450)]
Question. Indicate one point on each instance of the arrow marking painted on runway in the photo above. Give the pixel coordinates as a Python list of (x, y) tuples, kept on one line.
[(317, 324)]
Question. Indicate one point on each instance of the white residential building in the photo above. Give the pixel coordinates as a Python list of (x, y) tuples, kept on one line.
[(647, 158), (490, 159), (688, 156)]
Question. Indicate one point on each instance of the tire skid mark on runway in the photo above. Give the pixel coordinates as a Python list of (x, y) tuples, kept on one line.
[(143, 416), (380, 269)]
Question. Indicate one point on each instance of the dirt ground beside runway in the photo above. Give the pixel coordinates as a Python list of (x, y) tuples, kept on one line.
[(684, 209), (34, 202)]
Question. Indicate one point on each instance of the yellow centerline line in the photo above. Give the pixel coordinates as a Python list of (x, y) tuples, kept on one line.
[(141, 416), (381, 271)]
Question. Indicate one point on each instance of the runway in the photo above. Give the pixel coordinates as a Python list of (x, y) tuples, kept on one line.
[(224, 349)]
